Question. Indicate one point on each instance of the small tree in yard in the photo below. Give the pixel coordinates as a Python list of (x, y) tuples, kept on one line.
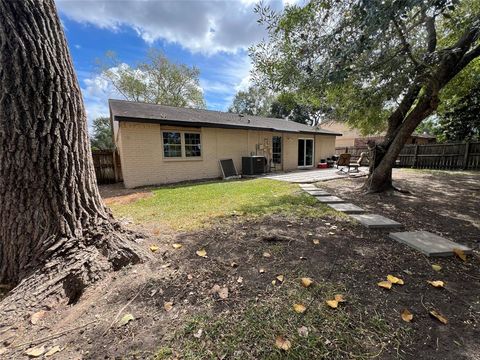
[(376, 64), (56, 236), (102, 137)]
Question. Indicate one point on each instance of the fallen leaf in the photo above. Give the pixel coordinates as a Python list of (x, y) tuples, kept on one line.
[(223, 293), (282, 343), (306, 282), (436, 267), (303, 258), (385, 284), (240, 280), (461, 254), (198, 334), (125, 320), (164, 266), (395, 280), (299, 308), (177, 246), (35, 351), (168, 306), (201, 253), (407, 315), (339, 298), (439, 316), (153, 248), (267, 254), (303, 331), (274, 282), (233, 264), (53, 351), (261, 270), (310, 234), (36, 317), (408, 272), (332, 303), (316, 241), (437, 283), (190, 277), (280, 278), (331, 233)]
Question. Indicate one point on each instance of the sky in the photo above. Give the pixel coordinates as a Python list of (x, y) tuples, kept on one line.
[(213, 35)]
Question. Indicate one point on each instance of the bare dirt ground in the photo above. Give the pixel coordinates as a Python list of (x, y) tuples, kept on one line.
[(177, 315)]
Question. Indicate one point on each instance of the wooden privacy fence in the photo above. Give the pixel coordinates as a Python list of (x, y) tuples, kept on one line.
[(447, 156), (104, 163)]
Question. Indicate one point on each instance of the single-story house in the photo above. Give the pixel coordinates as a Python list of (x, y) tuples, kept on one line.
[(160, 144)]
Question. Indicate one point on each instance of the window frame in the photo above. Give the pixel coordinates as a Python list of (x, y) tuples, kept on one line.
[(183, 145), (280, 153), (168, 146), (199, 144)]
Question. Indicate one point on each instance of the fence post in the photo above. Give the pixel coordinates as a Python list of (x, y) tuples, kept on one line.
[(415, 158), (465, 156)]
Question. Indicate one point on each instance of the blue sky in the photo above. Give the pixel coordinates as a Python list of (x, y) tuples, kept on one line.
[(210, 34)]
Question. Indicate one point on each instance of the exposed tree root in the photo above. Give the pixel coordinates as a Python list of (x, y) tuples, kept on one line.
[(73, 265)]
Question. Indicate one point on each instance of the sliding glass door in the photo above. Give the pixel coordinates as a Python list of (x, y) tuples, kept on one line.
[(305, 152)]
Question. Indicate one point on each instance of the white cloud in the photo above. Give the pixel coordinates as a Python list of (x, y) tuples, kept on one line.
[(205, 26)]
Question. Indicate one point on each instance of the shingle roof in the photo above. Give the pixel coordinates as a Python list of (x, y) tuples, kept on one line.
[(122, 110)]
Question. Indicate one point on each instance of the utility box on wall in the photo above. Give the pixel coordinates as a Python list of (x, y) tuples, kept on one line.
[(253, 165)]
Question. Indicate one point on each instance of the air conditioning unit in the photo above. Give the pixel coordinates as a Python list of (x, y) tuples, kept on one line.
[(253, 165)]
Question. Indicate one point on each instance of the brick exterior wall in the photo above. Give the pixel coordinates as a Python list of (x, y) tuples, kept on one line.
[(142, 162)]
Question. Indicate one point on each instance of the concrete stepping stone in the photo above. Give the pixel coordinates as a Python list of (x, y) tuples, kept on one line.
[(317, 192), (329, 199), (347, 208), (428, 243), (308, 186), (375, 221)]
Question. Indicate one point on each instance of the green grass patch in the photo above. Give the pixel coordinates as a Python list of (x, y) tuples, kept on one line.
[(249, 331), (186, 207)]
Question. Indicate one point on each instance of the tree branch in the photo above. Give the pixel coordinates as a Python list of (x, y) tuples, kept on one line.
[(406, 46), (431, 34)]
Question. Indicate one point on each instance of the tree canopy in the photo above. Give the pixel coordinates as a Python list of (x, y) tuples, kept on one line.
[(156, 80), (256, 100), (102, 137), (360, 58)]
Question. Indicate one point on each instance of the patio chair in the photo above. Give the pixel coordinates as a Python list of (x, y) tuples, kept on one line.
[(344, 162)]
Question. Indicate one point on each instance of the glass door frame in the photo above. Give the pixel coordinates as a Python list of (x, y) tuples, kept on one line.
[(305, 152)]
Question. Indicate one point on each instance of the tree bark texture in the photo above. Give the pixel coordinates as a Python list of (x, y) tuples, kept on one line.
[(55, 233)]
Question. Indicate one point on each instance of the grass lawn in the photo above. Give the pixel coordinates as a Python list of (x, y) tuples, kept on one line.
[(187, 207)]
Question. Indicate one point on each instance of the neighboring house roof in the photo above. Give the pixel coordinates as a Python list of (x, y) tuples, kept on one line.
[(131, 111)]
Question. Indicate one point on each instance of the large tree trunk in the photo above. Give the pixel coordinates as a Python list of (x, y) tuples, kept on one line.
[(56, 236), (419, 101)]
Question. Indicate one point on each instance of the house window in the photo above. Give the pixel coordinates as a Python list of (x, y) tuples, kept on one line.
[(277, 149), (172, 144), (192, 145)]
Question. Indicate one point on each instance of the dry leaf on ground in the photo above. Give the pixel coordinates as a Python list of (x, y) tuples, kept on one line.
[(339, 298), (299, 308), (436, 283), (407, 315), (282, 343), (177, 246), (261, 270), (280, 278), (436, 267), (316, 241), (223, 293), (385, 284), (332, 303), (267, 254), (125, 319), (395, 280), (303, 331), (154, 248), (168, 306), (306, 282), (439, 316), (201, 253), (35, 351), (53, 351), (36, 317), (461, 254)]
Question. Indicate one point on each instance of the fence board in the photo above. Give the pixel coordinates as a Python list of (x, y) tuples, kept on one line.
[(103, 161), (448, 156)]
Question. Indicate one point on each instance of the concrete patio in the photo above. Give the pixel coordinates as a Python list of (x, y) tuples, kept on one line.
[(314, 175)]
